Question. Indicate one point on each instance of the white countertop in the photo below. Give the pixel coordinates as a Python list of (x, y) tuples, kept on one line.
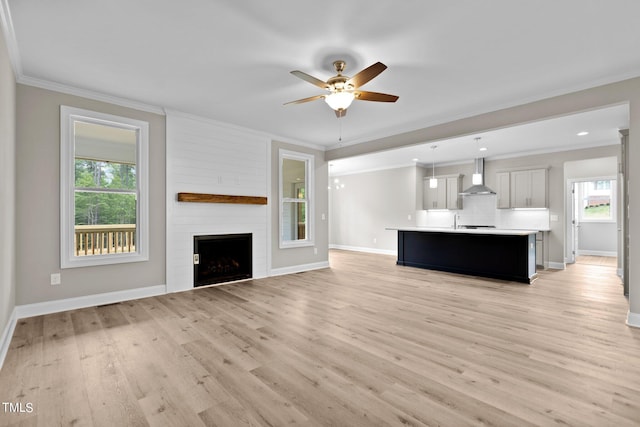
[(495, 231)]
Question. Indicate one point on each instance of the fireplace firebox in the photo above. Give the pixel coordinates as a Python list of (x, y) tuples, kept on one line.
[(221, 258)]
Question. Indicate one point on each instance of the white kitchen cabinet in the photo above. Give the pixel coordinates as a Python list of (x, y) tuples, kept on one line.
[(503, 190), (538, 197), (435, 198), (445, 196), (528, 188), (522, 189), (454, 187)]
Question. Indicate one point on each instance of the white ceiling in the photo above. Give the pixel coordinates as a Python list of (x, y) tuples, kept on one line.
[(230, 60)]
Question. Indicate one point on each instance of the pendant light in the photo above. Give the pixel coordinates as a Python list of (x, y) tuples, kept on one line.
[(433, 182), (476, 178)]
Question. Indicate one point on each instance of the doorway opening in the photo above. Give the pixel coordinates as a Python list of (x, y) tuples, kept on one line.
[(593, 221)]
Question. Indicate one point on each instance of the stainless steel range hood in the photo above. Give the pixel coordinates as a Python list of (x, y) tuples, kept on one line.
[(479, 189)]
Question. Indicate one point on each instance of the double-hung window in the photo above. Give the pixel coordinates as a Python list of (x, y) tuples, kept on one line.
[(104, 188), (296, 201)]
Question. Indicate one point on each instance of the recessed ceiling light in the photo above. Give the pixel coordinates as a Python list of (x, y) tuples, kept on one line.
[(483, 148), (583, 133), (414, 160)]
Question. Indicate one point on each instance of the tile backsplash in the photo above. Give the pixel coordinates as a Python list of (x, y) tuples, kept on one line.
[(481, 210), (478, 210)]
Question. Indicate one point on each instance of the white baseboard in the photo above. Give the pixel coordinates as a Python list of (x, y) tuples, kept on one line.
[(633, 319), (363, 249), (598, 253), (7, 334), (557, 265), (48, 307), (298, 268)]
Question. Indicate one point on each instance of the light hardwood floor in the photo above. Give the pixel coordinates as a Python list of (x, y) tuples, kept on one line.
[(608, 261), (364, 343)]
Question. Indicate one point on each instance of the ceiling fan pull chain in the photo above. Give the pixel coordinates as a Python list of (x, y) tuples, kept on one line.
[(340, 129)]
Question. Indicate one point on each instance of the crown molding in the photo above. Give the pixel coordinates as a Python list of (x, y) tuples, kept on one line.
[(90, 94), (210, 121), (6, 23), (299, 143)]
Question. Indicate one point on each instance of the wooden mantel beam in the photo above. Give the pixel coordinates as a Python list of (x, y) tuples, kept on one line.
[(221, 198)]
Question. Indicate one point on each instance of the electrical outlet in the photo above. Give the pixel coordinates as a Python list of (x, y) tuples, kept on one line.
[(315, 251), (409, 217), (55, 279)]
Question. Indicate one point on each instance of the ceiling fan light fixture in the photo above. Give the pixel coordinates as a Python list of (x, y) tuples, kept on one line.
[(339, 100)]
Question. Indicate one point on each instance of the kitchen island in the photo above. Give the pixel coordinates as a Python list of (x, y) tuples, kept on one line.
[(494, 253)]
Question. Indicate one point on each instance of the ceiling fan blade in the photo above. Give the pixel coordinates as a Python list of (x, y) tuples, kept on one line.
[(341, 113), (300, 101), (367, 74), (374, 96), (307, 78)]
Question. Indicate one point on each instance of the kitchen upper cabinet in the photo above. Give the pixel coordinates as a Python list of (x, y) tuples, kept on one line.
[(503, 190), (454, 187), (445, 196), (522, 189), (529, 188), (435, 198)]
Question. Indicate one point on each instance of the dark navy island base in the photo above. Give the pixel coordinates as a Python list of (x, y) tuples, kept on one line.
[(498, 254)]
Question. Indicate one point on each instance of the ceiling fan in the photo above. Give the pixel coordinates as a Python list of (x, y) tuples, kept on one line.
[(344, 89)]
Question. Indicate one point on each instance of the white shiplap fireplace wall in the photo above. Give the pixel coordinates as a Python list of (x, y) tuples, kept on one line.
[(204, 156)]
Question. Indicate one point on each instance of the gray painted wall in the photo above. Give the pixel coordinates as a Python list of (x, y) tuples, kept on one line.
[(597, 237), (38, 203), (370, 202), (7, 187), (591, 168), (291, 257)]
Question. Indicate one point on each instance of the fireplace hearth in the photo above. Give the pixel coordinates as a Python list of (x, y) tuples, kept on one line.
[(221, 258)]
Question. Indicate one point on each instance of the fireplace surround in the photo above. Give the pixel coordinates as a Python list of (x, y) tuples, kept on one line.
[(221, 258)]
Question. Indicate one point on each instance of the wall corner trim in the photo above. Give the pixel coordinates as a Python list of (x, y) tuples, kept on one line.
[(633, 320), (7, 334), (48, 307)]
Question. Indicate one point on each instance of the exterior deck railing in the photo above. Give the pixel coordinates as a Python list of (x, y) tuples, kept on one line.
[(104, 239)]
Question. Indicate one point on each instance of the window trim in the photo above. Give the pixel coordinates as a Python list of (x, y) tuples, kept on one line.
[(613, 202), (309, 196), (68, 115)]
